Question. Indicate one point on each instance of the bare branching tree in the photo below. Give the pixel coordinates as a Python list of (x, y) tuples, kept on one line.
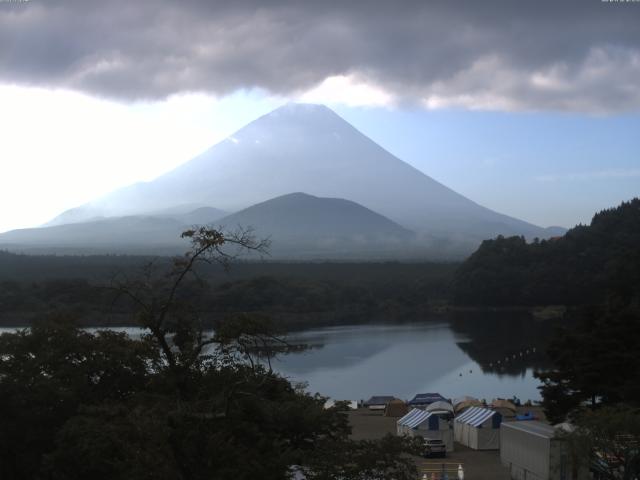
[(253, 338), (173, 322)]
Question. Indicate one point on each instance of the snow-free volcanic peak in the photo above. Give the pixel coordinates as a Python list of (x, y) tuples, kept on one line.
[(309, 148)]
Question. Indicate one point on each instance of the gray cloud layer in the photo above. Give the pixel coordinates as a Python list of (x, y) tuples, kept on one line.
[(581, 55)]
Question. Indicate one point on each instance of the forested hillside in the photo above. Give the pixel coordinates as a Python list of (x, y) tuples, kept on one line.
[(297, 294), (581, 267)]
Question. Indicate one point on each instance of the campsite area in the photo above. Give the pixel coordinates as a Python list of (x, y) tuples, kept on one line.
[(369, 424), (477, 464)]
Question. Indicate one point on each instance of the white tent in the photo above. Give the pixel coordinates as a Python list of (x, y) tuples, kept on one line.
[(478, 428), (427, 425), (440, 407)]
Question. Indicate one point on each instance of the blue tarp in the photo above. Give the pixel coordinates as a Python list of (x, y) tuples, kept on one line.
[(525, 416)]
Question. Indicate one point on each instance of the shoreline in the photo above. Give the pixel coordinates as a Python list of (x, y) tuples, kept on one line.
[(296, 321)]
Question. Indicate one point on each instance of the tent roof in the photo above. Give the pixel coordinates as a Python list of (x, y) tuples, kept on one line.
[(464, 398), (414, 418), (379, 400), (466, 404), (475, 416), (502, 403), (426, 398), (535, 428), (440, 406)]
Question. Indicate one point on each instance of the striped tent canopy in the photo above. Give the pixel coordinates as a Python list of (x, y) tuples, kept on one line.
[(476, 416), (478, 428), (420, 423), (414, 418)]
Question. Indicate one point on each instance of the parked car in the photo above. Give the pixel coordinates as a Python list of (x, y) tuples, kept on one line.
[(434, 448)]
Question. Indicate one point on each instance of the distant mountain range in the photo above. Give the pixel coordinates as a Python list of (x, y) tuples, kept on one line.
[(129, 234), (358, 198), (303, 226)]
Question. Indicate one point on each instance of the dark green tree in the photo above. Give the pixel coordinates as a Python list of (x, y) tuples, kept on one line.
[(595, 363), (581, 267), (180, 402), (48, 372), (607, 441)]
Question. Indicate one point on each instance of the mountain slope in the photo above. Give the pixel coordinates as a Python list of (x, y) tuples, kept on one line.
[(298, 224), (131, 234), (309, 148), (199, 216)]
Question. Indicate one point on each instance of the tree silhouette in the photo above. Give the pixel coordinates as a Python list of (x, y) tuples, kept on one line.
[(177, 403)]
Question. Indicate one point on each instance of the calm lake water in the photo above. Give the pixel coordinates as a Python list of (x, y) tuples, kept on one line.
[(356, 362), (486, 356)]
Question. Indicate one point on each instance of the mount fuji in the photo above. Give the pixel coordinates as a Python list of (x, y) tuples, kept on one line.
[(310, 149)]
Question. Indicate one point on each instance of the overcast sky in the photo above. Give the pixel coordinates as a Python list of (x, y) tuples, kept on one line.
[(531, 108)]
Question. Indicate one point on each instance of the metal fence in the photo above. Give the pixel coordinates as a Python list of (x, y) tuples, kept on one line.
[(441, 471)]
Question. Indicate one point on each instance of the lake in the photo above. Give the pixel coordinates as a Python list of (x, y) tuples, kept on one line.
[(453, 357), (484, 355)]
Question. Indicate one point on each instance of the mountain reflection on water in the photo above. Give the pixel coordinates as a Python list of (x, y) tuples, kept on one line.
[(484, 355), (504, 343)]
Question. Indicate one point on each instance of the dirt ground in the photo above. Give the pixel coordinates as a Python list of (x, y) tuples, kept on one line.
[(477, 465)]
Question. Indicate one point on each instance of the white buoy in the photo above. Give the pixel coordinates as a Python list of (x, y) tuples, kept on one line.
[(460, 473)]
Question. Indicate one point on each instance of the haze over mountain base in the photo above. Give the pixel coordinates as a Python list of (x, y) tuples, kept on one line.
[(356, 200)]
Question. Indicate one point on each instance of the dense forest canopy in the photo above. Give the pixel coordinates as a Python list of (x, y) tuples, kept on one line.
[(296, 293), (578, 268)]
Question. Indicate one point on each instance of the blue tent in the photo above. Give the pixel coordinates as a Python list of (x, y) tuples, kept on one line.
[(478, 428), (427, 425)]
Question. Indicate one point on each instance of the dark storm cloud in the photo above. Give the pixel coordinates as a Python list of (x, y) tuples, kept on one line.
[(516, 54)]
